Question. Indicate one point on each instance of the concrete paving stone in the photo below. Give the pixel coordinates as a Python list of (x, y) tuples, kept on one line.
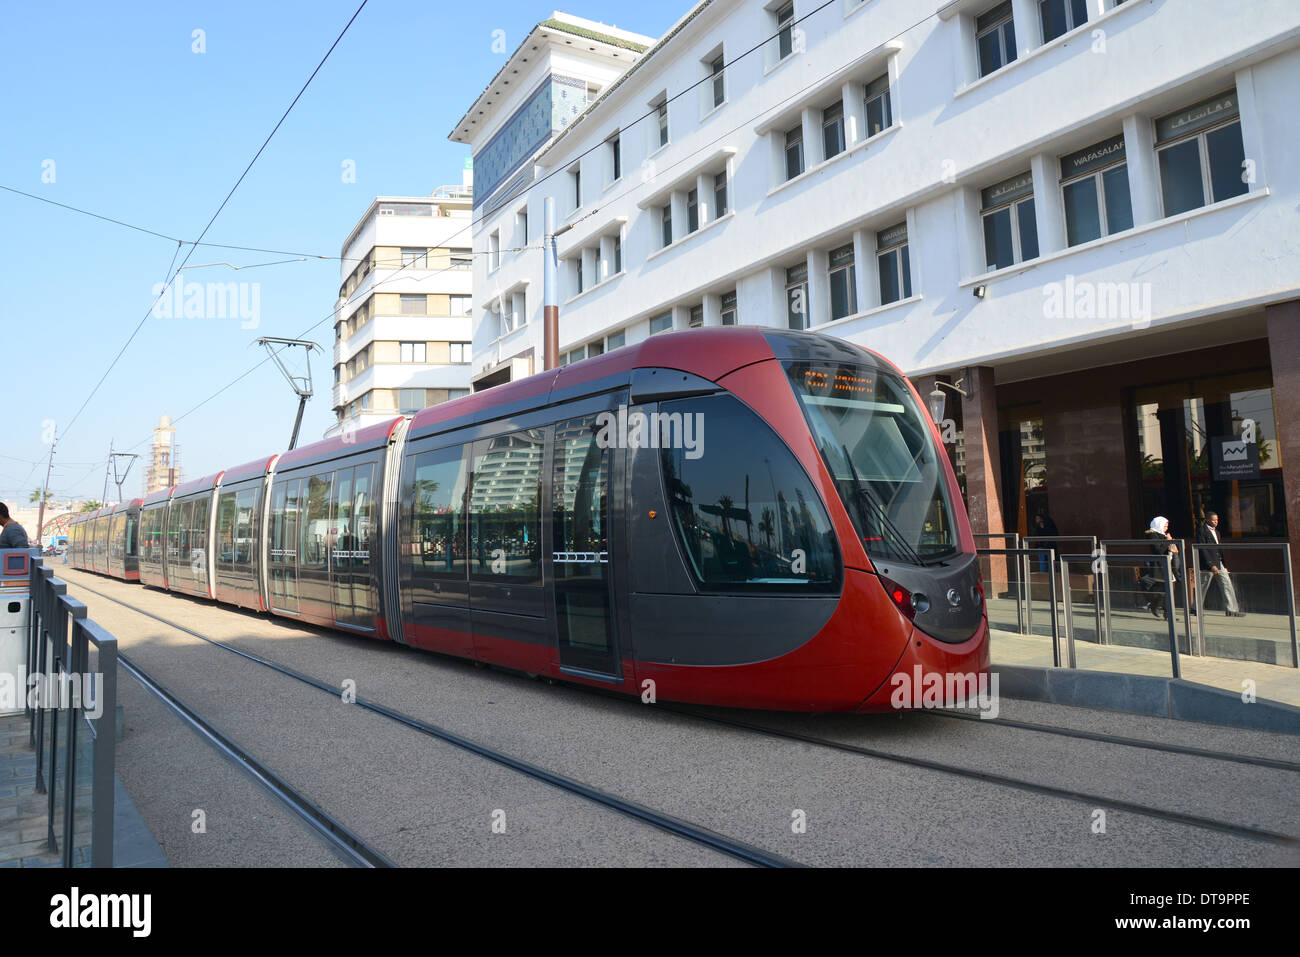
[(859, 811)]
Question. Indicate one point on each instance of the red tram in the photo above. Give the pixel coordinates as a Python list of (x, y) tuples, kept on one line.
[(741, 516)]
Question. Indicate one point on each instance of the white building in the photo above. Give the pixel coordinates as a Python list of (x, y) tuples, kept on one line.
[(1084, 210), (402, 322), (551, 79)]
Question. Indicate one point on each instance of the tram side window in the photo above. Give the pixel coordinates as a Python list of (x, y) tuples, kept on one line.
[(315, 527), (246, 505), (199, 538), (361, 513), (505, 508), (132, 527), (438, 515), (226, 527), (743, 508), (179, 549)]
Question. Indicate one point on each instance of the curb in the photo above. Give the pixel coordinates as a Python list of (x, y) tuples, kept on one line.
[(1148, 695)]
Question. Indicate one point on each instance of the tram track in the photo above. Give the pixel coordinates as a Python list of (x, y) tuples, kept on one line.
[(330, 829), (671, 824), (755, 855), (1070, 794), (1144, 743)]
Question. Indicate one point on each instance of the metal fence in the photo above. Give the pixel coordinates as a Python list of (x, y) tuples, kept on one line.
[(1125, 580), (72, 722)]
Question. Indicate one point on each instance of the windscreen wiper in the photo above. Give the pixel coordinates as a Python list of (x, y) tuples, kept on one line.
[(865, 496)]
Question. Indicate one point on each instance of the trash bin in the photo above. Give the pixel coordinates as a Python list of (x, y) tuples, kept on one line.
[(15, 606)]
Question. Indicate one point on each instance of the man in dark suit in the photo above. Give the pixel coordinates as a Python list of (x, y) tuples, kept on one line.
[(1213, 567)]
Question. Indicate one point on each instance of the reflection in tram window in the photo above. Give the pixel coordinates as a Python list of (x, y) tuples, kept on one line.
[(315, 524), (439, 513), (505, 507), (745, 510), (243, 550)]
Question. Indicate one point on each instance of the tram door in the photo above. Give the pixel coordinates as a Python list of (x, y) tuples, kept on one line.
[(580, 548)]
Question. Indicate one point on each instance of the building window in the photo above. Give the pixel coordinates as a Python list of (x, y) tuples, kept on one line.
[(415, 304), (844, 295), (1061, 16), (995, 38), (719, 91), (410, 400), (796, 296), (833, 130), (662, 323), (661, 109), (411, 256), (577, 355), (460, 353), (697, 317), (521, 228), (457, 393), (729, 313), (794, 152), (595, 348), (692, 211), (666, 218), (576, 173), (615, 340), (1010, 229), (494, 251), (460, 305), (365, 401), (412, 351), (577, 270), (880, 114), (785, 31), (1094, 189), (720, 195), (615, 160), (1201, 154), (464, 258), (618, 254), (894, 263)]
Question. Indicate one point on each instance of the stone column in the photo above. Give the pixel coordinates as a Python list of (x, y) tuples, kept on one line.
[(1284, 354), (983, 467)]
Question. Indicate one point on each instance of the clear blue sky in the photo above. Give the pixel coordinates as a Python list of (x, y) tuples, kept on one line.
[(141, 128)]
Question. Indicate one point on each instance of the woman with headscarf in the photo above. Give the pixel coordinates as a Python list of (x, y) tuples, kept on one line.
[(1152, 578)]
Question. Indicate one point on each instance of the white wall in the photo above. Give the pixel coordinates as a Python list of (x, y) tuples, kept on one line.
[(955, 136)]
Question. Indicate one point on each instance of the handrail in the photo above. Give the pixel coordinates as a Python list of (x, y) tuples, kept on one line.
[(59, 638), (1025, 553), (1135, 559), (1285, 547)]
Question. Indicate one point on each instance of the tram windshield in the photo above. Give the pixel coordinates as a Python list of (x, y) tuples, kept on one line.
[(877, 446)]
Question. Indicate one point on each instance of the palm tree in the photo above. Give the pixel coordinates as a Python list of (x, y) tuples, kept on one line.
[(92, 505), (36, 496), (767, 526)]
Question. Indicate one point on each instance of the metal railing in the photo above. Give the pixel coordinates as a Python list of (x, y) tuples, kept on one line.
[(1187, 582), (1022, 557), (1101, 564), (1287, 580), (74, 746)]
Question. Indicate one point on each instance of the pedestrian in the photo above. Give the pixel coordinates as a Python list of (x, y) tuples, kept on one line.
[(1214, 567), (1151, 576), (12, 535), (1043, 525)]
